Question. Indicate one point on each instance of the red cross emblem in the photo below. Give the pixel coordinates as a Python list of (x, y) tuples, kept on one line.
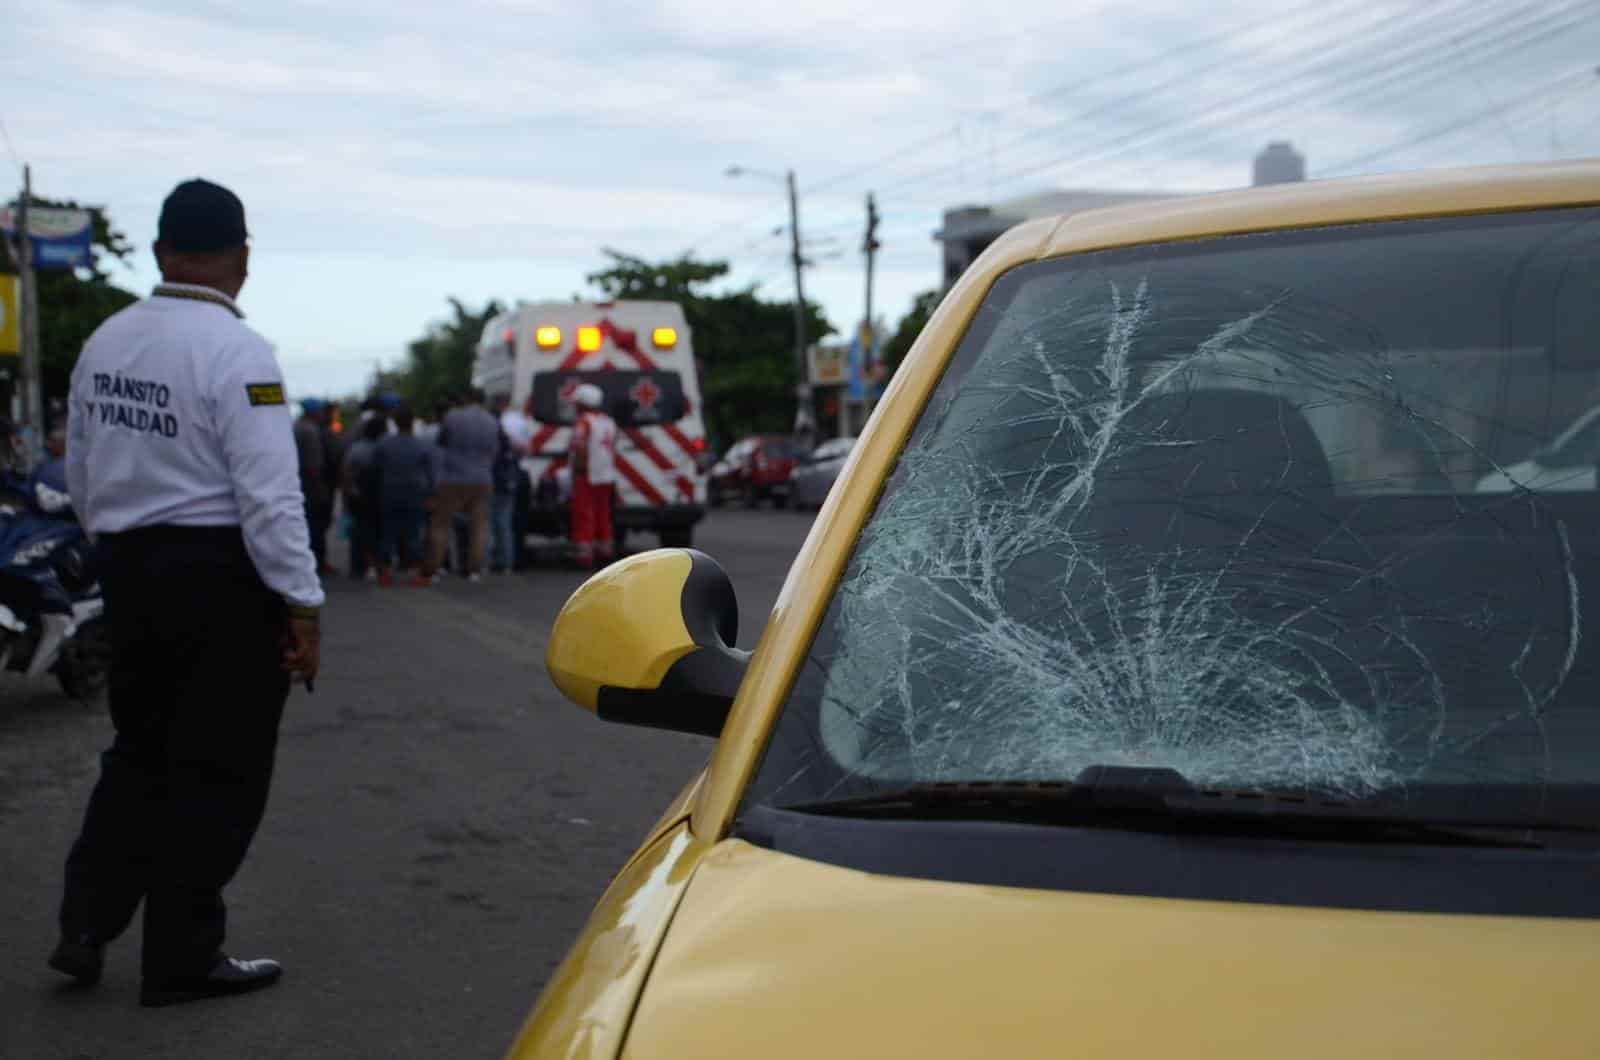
[(644, 395)]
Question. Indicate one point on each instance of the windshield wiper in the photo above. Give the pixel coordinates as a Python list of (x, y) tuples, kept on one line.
[(1162, 800)]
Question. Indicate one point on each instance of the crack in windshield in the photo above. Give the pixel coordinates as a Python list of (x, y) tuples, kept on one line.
[(1255, 547)]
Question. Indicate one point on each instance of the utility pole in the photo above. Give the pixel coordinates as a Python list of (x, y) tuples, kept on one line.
[(32, 405), (802, 390), (869, 247)]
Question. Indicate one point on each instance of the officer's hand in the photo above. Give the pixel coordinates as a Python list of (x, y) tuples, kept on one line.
[(302, 647)]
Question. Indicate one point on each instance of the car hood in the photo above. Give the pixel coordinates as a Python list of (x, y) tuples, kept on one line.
[(775, 956)]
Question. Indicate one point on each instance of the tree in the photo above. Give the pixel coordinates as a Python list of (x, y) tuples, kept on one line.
[(744, 344), (439, 364), (72, 303), (910, 326)]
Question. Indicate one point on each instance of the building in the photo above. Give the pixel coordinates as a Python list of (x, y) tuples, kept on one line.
[(1279, 163), (968, 230)]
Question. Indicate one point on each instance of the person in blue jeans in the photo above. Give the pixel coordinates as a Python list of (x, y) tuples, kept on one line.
[(507, 470), (405, 476)]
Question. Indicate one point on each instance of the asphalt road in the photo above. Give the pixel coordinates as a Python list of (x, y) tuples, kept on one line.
[(441, 822)]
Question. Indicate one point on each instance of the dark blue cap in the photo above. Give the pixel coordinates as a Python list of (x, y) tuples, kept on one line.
[(200, 217)]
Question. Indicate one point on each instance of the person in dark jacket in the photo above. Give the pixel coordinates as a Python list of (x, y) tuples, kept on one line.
[(359, 482), (405, 477), (507, 472), (311, 442)]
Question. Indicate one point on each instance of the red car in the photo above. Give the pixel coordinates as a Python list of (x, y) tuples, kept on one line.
[(757, 468)]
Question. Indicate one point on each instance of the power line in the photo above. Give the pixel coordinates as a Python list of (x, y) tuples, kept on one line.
[(1350, 42), (1497, 112), (1121, 102), (1522, 33), (754, 54), (1358, 51), (1334, 14), (1188, 47), (1232, 33), (10, 148), (899, 152), (1573, 80), (1492, 35), (1512, 37), (1367, 75), (1409, 79)]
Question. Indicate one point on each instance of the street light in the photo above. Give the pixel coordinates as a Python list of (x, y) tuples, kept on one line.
[(802, 391)]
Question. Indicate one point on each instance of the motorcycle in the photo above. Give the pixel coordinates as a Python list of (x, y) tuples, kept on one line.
[(52, 615)]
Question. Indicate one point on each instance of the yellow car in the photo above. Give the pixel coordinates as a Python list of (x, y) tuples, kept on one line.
[(1155, 682)]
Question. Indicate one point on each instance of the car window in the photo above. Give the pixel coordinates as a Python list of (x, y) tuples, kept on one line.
[(1231, 508), (833, 450), (778, 447)]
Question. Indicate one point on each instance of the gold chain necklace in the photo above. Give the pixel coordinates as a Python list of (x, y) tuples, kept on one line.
[(164, 290)]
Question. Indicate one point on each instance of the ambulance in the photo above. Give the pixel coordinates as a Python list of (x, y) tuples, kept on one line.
[(641, 356)]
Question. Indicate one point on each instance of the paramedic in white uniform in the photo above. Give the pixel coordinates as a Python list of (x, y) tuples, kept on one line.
[(182, 464)]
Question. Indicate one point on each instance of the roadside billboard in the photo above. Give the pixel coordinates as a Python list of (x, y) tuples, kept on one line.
[(61, 238), (10, 316)]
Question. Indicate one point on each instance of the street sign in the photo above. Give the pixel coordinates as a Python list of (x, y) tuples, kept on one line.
[(10, 331), (61, 238), (866, 371), (830, 365)]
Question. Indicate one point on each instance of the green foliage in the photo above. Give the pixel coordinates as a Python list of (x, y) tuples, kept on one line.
[(439, 364), (73, 303), (744, 344), (629, 277), (910, 326)]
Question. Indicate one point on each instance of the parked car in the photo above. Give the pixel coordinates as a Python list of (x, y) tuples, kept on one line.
[(755, 469), (724, 474), (1134, 700), (814, 475)]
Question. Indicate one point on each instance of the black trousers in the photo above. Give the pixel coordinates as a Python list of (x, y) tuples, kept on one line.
[(520, 558), (365, 532), (319, 518), (196, 696)]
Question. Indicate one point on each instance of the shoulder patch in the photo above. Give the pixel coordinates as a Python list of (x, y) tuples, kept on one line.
[(264, 393)]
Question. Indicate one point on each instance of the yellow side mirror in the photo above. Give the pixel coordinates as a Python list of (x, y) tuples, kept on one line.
[(649, 641)]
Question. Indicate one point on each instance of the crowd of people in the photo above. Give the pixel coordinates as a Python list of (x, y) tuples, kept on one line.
[(417, 497)]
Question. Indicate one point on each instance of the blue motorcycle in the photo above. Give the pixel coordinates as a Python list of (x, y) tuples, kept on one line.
[(52, 615)]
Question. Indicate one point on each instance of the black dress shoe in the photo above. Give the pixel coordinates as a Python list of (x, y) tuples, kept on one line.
[(229, 976), (79, 958)]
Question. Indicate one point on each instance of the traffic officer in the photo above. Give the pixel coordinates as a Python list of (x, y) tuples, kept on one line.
[(181, 461)]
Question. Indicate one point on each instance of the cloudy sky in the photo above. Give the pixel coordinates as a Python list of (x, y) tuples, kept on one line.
[(392, 153)]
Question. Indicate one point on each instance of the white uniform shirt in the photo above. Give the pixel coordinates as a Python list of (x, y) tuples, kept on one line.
[(596, 434), (519, 428), (177, 416)]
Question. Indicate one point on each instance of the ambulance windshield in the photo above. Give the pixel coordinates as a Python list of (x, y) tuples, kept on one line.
[(634, 399)]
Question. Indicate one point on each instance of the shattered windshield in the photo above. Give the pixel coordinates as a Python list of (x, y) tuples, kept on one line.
[(1265, 510)]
